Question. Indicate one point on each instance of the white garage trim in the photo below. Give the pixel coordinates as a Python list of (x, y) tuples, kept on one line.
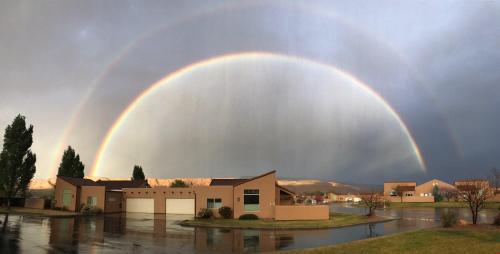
[(179, 206), (140, 205)]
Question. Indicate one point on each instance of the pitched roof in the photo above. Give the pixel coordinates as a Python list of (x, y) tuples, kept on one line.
[(226, 181), (285, 189), (400, 182), (235, 181), (120, 184), (78, 181), (257, 177)]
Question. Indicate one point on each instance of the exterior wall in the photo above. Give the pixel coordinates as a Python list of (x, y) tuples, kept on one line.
[(343, 198), (416, 199), (389, 186), (113, 203), (296, 212), (225, 193), (93, 191), (267, 191), (486, 183), (494, 198), (62, 185), (35, 203), (428, 187)]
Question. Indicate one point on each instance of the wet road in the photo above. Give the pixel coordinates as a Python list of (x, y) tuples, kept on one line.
[(146, 233)]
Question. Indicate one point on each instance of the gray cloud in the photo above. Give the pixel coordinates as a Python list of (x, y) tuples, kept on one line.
[(435, 63)]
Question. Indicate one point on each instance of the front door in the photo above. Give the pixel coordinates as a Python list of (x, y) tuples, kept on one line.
[(67, 195)]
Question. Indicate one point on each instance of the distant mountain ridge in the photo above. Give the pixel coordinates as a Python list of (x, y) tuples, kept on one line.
[(296, 185)]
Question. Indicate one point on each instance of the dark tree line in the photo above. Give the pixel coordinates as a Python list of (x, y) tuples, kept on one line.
[(17, 161)]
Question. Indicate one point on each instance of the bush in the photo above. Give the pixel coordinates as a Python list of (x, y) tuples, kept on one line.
[(448, 219), (90, 210), (387, 203), (248, 217), (205, 213), (496, 221), (226, 212)]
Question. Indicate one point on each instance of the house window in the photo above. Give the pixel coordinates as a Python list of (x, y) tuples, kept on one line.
[(251, 200), (214, 203), (393, 193), (91, 201)]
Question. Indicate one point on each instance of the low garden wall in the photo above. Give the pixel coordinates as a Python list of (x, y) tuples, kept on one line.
[(301, 212), (415, 199), (36, 203)]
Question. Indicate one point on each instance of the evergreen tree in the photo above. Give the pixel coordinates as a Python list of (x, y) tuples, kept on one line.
[(138, 174), (71, 166), (437, 194), (178, 183), (17, 162)]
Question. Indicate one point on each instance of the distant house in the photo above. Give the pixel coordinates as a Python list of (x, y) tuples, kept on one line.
[(334, 197), (406, 187), (426, 189), (414, 193), (71, 193), (463, 184)]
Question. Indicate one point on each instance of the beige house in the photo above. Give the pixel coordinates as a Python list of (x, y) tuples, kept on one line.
[(412, 192), (260, 195), (333, 197), (71, 193)]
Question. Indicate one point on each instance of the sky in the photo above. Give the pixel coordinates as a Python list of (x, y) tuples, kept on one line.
[(354, 91)]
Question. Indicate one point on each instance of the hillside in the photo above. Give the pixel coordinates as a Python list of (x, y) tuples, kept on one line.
[(296, 185)]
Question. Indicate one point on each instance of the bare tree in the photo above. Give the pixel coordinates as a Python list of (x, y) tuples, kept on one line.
[(495, 179), (399, 192), (475, 193), (450, 194), (371, 201)]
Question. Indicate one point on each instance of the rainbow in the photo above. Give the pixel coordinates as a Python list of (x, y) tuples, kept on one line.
[(64, 139), (234, 56)]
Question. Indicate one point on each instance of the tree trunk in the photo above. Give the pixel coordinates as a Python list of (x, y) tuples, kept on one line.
[(474, 217), (8, 203)]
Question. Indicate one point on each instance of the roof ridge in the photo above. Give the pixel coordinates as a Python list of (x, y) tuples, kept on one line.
[(256, 177)]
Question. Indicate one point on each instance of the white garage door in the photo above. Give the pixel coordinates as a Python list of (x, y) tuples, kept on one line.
[(179, 206), (140, 205)]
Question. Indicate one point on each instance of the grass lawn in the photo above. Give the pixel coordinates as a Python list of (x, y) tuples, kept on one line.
[(463, 239), (492, 205), (336, 220), (36, 212)]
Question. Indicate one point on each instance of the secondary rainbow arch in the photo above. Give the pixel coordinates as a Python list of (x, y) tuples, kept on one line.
[(226, 58)]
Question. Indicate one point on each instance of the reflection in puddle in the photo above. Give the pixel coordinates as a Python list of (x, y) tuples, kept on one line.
[(152, 233)]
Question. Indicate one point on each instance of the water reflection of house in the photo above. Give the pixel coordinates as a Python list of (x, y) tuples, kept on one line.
[(239, 240), (67, 233)]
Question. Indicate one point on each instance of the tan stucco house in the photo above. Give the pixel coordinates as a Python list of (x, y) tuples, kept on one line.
[(71, 193), (413, 192), (260, 195)]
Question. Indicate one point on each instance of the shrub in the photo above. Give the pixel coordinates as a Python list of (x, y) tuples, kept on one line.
[(387, 203), (448, 219), (205, 213), (90, 210), (248, 217), (226, 212), (496, 221)]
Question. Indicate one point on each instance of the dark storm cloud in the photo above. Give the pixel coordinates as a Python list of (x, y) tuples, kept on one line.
[(436, 63)]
